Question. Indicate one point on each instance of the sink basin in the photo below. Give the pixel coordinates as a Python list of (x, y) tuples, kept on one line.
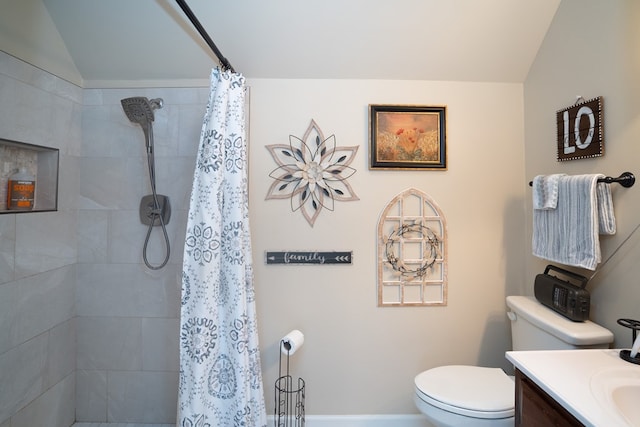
[(626, 398), (618, 392)]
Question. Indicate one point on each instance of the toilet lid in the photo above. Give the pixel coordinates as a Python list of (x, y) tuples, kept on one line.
[(488, 391)]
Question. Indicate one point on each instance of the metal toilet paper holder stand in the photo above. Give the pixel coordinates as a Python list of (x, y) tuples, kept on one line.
[(289, 409)]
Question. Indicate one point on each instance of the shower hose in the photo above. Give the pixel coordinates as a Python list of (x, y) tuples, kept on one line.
[(157, 211)]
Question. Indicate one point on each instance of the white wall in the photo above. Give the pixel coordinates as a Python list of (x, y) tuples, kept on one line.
[(593, 49), (358, 358), (28, 32)]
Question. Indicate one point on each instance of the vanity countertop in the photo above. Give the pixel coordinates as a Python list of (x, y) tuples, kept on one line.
[(582, 381)]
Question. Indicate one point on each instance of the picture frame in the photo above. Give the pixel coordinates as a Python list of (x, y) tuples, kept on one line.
[(411, 137)]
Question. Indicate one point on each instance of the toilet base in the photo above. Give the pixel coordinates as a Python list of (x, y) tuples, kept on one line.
[(441, 418)]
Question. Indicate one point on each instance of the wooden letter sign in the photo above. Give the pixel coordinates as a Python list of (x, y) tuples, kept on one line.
[(580, 133)]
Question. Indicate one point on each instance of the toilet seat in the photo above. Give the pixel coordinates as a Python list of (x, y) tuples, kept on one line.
[(471, 391)]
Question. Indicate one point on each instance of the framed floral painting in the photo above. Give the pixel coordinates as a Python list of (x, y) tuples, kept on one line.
[(407, 137)]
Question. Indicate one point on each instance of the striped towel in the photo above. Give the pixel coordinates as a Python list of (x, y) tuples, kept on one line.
[(545, 191), (606, 219), (569, 234)]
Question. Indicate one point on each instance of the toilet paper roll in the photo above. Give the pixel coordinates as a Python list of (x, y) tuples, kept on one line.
[(291, 342)]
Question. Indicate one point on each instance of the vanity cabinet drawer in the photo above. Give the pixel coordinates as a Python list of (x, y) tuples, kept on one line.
[(535, 408)]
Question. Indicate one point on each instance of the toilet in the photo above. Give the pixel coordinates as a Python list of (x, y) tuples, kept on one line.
[(459, 395)]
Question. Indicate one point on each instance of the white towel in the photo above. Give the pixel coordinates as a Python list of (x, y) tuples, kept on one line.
[(569, 234), (545, 191), (606, 218)]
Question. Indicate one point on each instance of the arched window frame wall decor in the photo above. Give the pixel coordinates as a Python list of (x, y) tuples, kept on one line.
[(412, 252)]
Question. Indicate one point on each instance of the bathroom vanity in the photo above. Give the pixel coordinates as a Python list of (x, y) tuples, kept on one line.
[(534, 407), (593, 388)]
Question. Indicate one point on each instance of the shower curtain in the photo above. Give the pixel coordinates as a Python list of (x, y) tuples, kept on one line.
[(220, 375)]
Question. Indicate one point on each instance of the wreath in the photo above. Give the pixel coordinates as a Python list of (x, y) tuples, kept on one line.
[(429, 237)]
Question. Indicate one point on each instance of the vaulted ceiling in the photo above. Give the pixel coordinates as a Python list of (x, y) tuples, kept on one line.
[(146, 40)]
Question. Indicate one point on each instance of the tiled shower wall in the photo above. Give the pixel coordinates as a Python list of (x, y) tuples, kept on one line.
[(127, 314), (38, 257), (87, 332)]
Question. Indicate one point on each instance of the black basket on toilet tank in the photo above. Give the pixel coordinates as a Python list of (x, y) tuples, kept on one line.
[(571, 300)]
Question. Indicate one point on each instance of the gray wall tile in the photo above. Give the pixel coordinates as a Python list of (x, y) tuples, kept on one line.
[(22, 373), (62, 352), (106, 343), (127, 235), (68, 185), (54, 408), (32, 305), (111, 183), (160, 351), (91, 395), (7, 247), (93, 228), (149, 397), (44, 245), (128, 290)]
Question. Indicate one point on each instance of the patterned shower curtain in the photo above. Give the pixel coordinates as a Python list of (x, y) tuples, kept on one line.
[(220, 376)]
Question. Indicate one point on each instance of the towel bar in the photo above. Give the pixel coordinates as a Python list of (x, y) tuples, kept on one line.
[(626, 179)]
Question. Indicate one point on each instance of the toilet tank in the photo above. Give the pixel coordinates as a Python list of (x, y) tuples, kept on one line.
[(536, 327)]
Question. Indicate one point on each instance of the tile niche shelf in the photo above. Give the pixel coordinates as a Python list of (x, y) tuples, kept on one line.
[(40, 162)]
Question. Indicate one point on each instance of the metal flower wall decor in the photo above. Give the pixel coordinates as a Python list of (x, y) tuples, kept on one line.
[(312, 172)]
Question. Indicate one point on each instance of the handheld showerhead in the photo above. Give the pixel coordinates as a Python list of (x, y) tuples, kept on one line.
[(140, 110)]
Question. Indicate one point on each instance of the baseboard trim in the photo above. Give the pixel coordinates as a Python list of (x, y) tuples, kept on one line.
[(316, 421), (409, 420)]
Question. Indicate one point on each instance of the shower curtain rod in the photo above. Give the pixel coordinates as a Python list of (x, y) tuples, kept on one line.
[(226, 65)]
